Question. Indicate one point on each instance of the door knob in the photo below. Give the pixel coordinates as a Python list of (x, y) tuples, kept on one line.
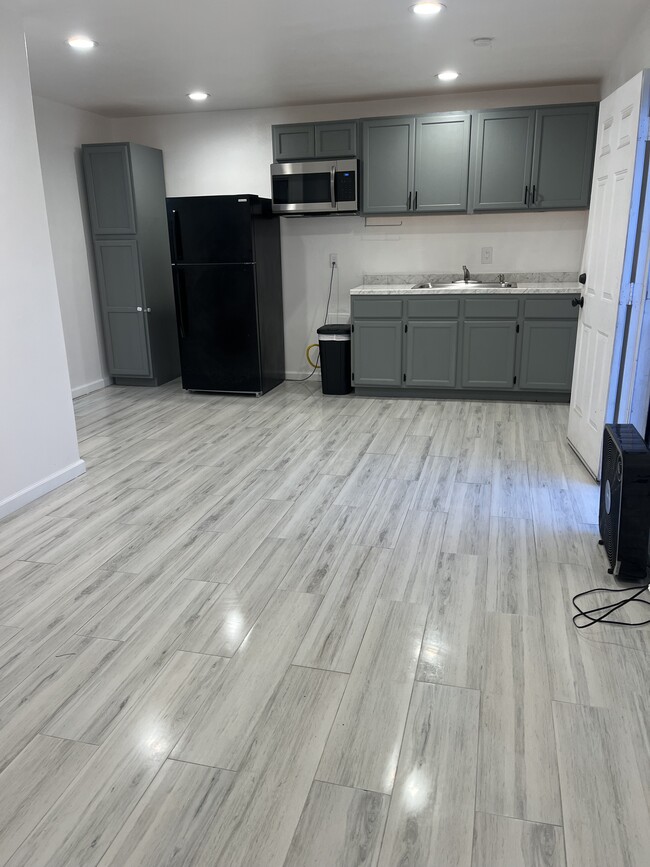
[(578, 302)]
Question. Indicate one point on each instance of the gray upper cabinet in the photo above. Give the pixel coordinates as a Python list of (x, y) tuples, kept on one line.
[(441, 162), (534, 158), (563, 157), (295, 142), (388, 147), (110, 192), (336, 139), (306, 141), (377, 352), (126, 198), (431, 354), (503, 155), (489, 349)]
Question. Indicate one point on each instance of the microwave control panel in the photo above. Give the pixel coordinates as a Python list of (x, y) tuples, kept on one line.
[(345, 186)]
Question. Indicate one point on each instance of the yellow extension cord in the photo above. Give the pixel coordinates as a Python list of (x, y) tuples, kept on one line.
[(308, 350)]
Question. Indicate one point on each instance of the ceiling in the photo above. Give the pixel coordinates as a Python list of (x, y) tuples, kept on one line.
[(254, 53)]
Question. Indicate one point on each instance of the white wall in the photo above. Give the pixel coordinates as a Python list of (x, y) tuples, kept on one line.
[(61, 131), (38, 443), (632, 58), (230, 152)]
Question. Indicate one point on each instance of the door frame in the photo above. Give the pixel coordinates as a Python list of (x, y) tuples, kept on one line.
[(629, 391)]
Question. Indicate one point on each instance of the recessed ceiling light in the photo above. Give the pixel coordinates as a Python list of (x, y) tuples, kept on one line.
[(198, 95), (427, 8), (81, 43), (448, 75)]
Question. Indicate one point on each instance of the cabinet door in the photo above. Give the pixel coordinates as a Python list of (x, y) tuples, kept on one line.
[(120, 286), (293, 142), (388, 153), (563, 157), (547, 355), (377, 352), (502, 160), (431, 354), (441, 163), (336, 139), (110, 190), (489, 354)]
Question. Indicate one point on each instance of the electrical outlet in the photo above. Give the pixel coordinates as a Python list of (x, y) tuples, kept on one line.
[(486, 255), (334, 260)]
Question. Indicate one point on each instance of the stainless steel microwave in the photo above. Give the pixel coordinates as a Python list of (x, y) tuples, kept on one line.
[(319, 187)]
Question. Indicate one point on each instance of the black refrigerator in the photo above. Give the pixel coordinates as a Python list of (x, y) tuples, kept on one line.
[(228, 290)]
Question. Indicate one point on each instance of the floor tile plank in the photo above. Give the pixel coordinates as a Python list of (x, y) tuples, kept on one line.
[(364, 755), (432, 806), (499, 840)]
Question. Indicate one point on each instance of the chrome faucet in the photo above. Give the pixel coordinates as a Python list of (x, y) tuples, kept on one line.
[(466, 274)]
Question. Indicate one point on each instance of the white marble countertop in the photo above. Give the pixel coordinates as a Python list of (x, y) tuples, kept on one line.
[(521, 289)]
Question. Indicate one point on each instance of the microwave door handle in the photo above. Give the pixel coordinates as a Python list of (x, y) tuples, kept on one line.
[(333, 187)]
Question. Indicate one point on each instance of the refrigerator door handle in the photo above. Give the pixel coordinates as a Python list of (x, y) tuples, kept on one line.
[(176, 236), (180, 303)]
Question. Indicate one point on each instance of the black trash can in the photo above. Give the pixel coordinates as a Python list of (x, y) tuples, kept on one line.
[(334, 343)]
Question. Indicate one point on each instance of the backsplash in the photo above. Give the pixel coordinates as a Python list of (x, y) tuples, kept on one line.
[(486, 277)]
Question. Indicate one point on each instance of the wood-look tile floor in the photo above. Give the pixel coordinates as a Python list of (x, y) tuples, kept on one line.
[(304, 630)]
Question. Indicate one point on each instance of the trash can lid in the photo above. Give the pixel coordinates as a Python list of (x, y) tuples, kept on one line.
[(334, 329)]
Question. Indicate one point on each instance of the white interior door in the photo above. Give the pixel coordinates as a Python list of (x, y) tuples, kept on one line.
[(597, 358)]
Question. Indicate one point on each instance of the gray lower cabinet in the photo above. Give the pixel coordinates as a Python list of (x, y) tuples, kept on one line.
[(126, 197), (388, 164), (548, 349), (377, 352), (489, 349), (480, 344), (123, 311), (431, 354)]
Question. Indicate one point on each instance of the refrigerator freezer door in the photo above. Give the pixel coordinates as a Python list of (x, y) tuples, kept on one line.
[(210, 229), (216, 311)]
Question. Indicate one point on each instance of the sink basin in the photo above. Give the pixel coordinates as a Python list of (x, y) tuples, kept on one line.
[(457, 283)]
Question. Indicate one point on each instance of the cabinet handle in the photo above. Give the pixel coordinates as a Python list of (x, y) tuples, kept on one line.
[(415, 203), (408, 204), (139, 309), (534, 191), (526, 195), (148, 309), (333, 187), (578, 302)]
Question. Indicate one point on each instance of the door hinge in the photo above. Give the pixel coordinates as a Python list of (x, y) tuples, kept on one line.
[(514, 380), (403, 377)]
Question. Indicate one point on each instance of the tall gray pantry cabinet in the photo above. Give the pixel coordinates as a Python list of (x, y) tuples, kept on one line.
[(125, 185)]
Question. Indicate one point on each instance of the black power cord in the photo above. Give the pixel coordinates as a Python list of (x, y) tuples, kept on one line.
[(611, 608), (327, 313)]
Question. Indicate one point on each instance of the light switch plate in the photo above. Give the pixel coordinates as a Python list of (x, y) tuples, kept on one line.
[(486, 255)]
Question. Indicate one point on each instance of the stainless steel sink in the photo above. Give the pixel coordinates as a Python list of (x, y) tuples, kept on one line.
[(457, 283)]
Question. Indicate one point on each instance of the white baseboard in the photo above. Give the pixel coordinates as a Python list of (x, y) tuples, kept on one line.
[(33, 492), (298, 374), (89, 387)]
